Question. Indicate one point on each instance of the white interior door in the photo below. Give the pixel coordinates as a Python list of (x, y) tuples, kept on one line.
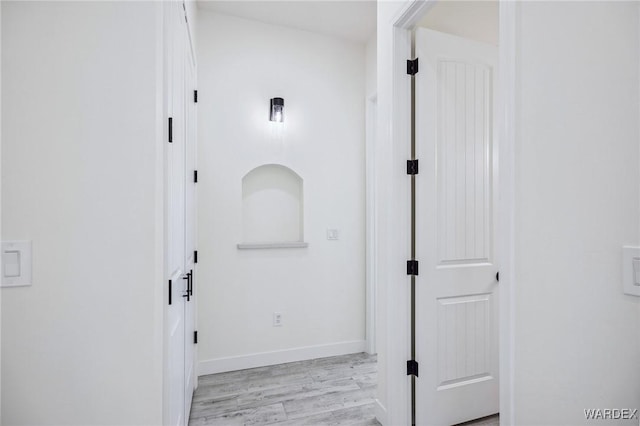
[(190, 226), (456, 291), (175, 214)]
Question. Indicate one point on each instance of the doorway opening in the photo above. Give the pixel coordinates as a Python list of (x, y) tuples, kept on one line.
[(285, 228), (459, 329), (456, 227)]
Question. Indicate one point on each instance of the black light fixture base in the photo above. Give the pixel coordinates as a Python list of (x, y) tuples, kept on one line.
[(276, 110)]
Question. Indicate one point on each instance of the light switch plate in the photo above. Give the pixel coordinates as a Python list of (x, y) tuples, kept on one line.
[(333, 234), (16, 263), (630, 264)]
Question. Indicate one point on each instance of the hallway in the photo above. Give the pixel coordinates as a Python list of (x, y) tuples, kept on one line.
[(337, 390), (192, 190)]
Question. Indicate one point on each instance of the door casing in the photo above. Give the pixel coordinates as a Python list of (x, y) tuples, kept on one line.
[(398, 406), (176, 92), (371, 220)]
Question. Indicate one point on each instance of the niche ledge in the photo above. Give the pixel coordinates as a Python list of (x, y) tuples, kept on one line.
[(262, 246)]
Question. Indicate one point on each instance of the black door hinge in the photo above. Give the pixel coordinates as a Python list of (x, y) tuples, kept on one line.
[(498, 276), (412, 167), (195, 337), (195, 176), (412, 267), (170, 129), (170, 291), (195, 96), (195, 256), (412, 66), (412, 368)]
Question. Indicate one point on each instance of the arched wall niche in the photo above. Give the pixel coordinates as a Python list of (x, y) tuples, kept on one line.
[(272, 208)]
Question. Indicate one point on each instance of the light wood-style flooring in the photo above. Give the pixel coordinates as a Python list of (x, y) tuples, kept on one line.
[(327, 391), (485, 421)]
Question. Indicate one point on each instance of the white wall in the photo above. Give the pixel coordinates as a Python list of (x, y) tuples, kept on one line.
[(83, 344), (371, 66), (476, 20), (320, 289), (577, 182)]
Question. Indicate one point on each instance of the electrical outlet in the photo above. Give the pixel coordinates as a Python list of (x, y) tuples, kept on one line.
[(277, 319)]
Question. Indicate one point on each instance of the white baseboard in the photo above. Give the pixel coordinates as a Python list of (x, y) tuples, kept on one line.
[(380, 412), (242, 362)]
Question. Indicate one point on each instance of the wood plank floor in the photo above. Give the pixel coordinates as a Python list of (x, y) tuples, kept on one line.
[(485, 421), (327, 391)]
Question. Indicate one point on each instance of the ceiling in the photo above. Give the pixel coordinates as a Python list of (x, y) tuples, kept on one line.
[(350, 20)]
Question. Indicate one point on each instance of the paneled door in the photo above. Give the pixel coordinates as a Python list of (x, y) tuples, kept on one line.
[(456, 289), (190, 226), (175, 174)]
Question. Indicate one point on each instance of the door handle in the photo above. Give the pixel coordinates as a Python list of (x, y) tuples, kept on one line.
[(187, 293)]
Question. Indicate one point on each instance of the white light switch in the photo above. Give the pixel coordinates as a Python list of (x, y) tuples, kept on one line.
[(636, 271), (11, 263), (332, 234), (631, 270), (16, 263)]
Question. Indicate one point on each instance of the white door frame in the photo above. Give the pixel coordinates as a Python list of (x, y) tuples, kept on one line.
[(0, 206), (371, 219), (398, 403)]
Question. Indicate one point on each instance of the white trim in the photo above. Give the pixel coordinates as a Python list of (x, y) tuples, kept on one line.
[(507, 139), (398, 401), (398, 392), (1, 274), (380, 412), (262, 359), (412, 13), (398, 389), (262, 246), (371, 255), (162, 112)]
